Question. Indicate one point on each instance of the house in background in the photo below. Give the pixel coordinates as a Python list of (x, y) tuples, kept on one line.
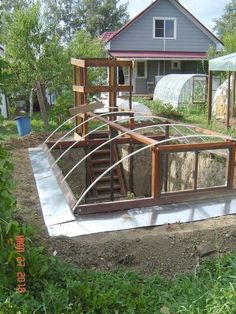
[(165, 38), (3, 99)]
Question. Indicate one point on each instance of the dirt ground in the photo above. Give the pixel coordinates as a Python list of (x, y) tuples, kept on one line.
[(167, 249)]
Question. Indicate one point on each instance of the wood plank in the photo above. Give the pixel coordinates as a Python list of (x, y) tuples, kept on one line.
[(100, 89), (213, 193), (86, 108), (113, 206), (155, 173), (95, 142), (134, 135), (209, 98), (231, 165), (194, 147), (77, 62), (228, 101)]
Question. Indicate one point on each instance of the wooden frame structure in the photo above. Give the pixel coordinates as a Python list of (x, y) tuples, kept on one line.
[(82, 87), (159, 151)]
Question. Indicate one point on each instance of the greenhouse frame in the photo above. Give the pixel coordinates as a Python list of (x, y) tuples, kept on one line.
[(181, 90)]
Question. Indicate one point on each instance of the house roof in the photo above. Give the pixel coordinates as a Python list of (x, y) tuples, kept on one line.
[(159, 55), (106, 36), (178, 5)]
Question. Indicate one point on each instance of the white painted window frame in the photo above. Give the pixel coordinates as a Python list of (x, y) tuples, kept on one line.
[(145, 69), (165, 19)]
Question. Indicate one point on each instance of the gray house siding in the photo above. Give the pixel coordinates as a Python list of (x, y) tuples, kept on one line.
[(139, 35)]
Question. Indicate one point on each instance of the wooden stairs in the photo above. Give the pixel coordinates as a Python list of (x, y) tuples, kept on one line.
[(99, 162)]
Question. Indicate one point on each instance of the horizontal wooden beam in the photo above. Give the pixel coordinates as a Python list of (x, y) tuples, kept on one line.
[(195, 147), (113, 206), (97, 142), (86, 108), (168, 198), (100, 89), (132, 134), (100, 62)]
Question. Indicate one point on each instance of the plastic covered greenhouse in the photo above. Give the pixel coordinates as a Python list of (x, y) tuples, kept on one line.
[(181, 89)]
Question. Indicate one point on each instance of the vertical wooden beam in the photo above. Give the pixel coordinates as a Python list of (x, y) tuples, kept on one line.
[(231, 166), (233, 91), (79, 97), (131, 169), (209, 99), (112, 170), (155, 173), (84, 81), (112, 78), (130, 83), (228, 101), (195, 178), (167, 135)]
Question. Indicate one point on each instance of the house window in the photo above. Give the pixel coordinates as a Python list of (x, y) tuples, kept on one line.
[(164, 28), (175, 65), (141, 69)]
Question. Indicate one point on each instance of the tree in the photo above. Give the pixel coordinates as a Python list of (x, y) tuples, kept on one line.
[(227, 22), (35, 55), (66, 15), (103, 15)]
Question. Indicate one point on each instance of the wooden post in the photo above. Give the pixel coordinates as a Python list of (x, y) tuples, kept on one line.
[(231, 166), (166, 161), (233, 90), (209, 100), (79, 97), (228, 102), (131, 169), (112, 95), (195, 171), (155, 173)]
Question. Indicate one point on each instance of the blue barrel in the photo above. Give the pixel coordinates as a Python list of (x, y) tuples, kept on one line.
[(23, 125)]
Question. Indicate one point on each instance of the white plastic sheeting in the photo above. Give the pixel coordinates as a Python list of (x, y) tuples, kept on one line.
[(123, 105), (225, 63), (179, 89)]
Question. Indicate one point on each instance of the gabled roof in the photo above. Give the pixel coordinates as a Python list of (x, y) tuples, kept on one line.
[(178, 6)]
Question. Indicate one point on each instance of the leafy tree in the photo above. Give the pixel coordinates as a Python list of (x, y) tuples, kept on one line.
[(103, 15), (227, 22), (35, 55)]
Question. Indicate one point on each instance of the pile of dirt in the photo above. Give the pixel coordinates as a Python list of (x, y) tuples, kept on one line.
[(168, 249)]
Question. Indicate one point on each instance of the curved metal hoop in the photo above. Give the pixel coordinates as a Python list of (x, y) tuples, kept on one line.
[(136, 152), (119, 135)]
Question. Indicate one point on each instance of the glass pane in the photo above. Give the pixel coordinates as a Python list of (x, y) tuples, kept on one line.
[(140, 69), (159, 32), (177, 171), (159, 28), (212, 168), (169, 28), (159, 23)]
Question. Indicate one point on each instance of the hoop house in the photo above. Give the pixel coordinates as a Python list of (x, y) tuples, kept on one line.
[(181, 89)]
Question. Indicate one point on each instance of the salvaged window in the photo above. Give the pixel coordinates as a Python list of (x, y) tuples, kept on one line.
[(164, 28)]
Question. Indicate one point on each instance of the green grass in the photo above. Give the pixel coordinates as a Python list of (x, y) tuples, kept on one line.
[(63, 288), (195, 114)]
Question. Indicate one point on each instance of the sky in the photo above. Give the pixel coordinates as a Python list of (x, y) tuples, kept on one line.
[(204, 10)]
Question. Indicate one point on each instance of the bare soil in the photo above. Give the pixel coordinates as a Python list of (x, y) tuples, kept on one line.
[(168, 249)]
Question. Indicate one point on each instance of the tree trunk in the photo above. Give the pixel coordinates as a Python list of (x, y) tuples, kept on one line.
[(42, 103), (31, 101)]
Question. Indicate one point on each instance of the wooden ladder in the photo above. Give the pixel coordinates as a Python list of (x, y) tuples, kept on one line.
[(99, 162)]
